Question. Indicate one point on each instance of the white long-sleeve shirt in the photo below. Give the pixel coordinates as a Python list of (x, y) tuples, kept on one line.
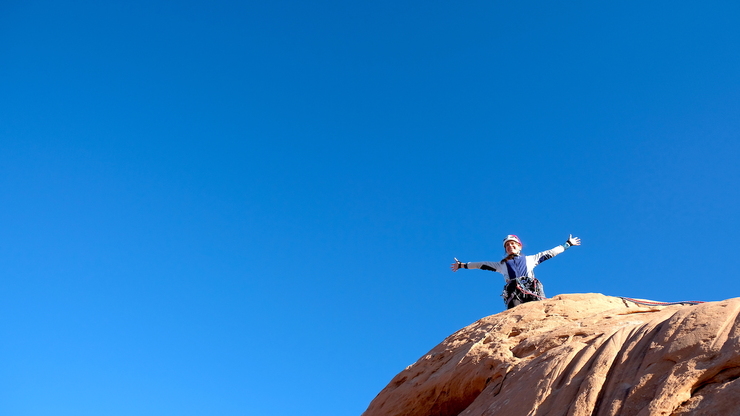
[(519, 266)]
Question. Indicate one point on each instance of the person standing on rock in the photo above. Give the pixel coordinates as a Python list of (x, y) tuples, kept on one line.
[(518, 270)]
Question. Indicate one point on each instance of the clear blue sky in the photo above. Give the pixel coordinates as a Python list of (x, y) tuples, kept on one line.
[(250, 208)]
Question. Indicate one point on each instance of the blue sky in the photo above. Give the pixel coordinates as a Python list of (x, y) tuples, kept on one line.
[(250, 207)]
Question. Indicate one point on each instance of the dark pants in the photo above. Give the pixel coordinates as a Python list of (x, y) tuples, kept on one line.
[(513, 302), (515, 296), (512, 295)]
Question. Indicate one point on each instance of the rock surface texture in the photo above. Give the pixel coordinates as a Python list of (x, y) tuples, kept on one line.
[(579, 354)]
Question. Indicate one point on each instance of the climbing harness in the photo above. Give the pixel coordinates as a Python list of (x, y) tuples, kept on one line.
[(525, 289), (656, 303)]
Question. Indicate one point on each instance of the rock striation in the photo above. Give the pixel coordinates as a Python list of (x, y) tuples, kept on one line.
[(578, 355)]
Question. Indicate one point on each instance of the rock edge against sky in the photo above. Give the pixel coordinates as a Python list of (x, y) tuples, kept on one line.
[(578, 354)]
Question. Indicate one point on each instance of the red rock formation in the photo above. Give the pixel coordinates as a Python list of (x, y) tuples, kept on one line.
[(582, 354)]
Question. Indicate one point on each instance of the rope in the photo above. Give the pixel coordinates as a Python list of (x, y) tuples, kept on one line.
[(520, 285), (656, 303), (527, 292)]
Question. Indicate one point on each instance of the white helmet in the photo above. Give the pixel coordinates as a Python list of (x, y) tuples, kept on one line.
[(512, 237)]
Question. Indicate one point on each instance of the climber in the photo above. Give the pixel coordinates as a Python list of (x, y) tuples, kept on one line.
[(518, 270)]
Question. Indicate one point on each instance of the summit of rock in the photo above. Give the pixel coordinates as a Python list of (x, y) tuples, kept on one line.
[(579, 354)]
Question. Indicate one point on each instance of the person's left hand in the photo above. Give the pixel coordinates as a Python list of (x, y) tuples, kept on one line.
[(574, 241)]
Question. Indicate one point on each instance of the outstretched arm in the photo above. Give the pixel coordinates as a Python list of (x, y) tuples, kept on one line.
[(483, 265), (547, 255)]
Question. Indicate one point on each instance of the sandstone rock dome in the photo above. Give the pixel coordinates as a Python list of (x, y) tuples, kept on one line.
[(579, 354)]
